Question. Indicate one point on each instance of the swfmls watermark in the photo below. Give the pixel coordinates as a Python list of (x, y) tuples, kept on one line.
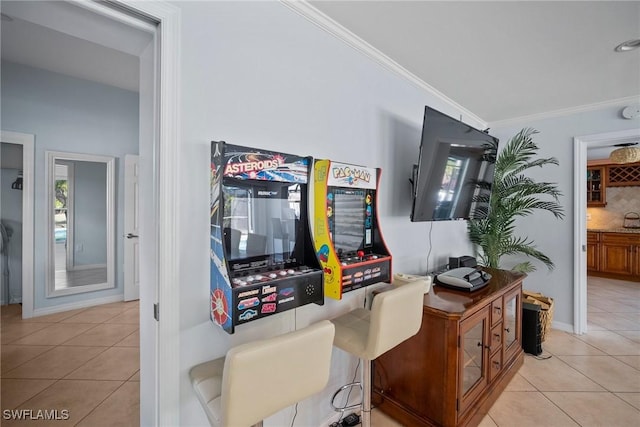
[(36, 414)]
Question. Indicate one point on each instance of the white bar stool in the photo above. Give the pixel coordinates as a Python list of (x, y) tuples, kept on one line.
[(258, 379), (395, 316)]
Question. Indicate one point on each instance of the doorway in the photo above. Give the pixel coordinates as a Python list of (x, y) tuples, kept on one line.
[(581, 144), (158, 151), (26, 142)]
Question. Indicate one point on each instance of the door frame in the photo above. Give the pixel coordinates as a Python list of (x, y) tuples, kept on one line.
[(27, 141), (160, 349), (580, 146)]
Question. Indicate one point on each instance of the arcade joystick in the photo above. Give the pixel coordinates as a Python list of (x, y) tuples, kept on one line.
[(360, 255)]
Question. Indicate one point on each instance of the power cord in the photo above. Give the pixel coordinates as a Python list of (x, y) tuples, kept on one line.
[(295, 414), (541, 356), (430, 244)]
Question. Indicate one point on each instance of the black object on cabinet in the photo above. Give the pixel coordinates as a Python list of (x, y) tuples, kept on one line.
[(531, 329)]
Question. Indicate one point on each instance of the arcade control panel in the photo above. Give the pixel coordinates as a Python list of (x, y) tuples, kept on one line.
[(261, 293), (359, 257), (364, 270)]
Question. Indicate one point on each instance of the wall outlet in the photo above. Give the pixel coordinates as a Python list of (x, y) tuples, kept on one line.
[(588, 217)]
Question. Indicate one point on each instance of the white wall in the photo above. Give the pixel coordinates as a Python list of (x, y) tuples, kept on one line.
[(72, 115), (258, 74), (555, 237)]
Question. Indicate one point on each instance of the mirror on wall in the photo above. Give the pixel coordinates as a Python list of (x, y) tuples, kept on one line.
[(80, 219)]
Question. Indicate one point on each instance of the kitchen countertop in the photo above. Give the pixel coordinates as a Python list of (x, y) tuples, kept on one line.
[(615, 230)]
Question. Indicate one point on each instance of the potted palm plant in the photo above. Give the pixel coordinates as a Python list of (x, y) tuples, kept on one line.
[(513, 195)]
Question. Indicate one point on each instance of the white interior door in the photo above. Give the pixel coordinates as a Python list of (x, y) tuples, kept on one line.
[(131, 229)]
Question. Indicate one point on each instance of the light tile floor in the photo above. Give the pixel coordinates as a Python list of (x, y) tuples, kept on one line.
[(87, 361), (83, 361)]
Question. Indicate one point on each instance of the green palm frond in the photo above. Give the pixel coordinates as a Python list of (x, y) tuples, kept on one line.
[(513, 194)]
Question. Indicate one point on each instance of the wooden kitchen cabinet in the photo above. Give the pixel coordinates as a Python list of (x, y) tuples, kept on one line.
[(620, 255), (623, 175), (593, 251), (596, 186), (467, 350)]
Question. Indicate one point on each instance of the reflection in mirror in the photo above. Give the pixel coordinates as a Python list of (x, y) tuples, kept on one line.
[(80, 222)]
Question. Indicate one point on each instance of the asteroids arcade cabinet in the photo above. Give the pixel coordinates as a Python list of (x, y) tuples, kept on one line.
[(262, 256), (347, 236)]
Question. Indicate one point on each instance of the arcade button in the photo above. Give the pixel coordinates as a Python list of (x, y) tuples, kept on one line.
[(272, 275), (290, 271)]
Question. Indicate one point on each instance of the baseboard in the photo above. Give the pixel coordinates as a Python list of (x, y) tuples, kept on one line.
[(87, 267), (566, 327), (76, 305)]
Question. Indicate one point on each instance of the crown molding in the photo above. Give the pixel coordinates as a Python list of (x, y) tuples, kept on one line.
[(565, 112), (306, 10)]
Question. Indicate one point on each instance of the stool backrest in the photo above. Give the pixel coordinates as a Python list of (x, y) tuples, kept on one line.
[(263, 377), (396, 315)]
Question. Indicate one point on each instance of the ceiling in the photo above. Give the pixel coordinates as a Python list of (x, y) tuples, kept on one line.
[(66, 39), (506, 60), (497, 60)]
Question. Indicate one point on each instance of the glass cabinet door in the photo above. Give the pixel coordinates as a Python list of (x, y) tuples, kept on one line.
[(512, 316), (474, 354)]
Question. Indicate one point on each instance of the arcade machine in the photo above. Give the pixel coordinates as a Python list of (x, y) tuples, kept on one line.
[(347, 236), (262, 256)]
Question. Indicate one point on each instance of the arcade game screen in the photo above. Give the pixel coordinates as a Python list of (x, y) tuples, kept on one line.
[(261, 220), (347, 228)]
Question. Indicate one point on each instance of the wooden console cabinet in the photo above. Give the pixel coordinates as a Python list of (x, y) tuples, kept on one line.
[(467, 350)]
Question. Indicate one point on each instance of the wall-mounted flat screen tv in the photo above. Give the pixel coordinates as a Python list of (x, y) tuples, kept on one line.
[(453, 177)]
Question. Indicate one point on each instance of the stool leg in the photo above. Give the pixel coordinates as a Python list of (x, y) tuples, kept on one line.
[(366, 393)]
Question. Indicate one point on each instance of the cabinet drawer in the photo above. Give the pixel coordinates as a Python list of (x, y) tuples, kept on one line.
[(496, 311), (593, 237), (495, 341), (623, 238), (495, 365)]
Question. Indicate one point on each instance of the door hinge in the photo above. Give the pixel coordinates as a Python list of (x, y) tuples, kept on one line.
[(156, 311)]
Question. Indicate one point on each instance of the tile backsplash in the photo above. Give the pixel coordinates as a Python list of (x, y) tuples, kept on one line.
[(620, 200)]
